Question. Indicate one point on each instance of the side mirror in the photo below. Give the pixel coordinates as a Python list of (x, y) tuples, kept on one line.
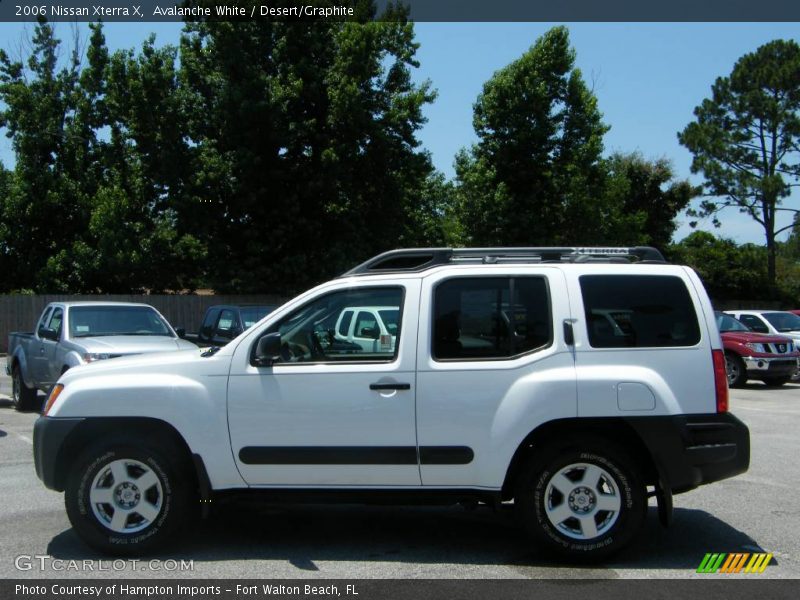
[(268, 350), (371, 333), (48, 334), (181, 331)]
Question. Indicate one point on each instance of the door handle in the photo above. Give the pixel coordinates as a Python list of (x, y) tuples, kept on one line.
[(569, 334), (389, 386)]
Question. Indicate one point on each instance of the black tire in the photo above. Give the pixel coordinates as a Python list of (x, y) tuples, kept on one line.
[(170, 496), (776, 381), (22, 397), (620, 482), (735, 370)]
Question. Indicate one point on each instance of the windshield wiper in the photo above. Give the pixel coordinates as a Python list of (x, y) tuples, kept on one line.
[(148, 333), (211, 351), (85, 335)]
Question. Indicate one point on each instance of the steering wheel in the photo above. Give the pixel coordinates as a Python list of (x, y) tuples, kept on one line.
[(292, 352)]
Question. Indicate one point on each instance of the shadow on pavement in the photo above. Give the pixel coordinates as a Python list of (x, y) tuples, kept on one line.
[(304, 535), (791, 387)]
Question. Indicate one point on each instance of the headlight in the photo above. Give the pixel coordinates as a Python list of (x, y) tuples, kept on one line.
[(92, 356), (51, 399), (755, 347)]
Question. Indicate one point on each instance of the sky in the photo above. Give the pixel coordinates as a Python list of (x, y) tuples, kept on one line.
[(648, 77)]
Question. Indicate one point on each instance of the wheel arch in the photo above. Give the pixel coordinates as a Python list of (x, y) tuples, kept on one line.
[(148, 430), (19, 361), (614, 429)]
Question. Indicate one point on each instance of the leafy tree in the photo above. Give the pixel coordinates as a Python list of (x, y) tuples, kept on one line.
[(305, 137), (42, 214), (532, 177), (728, 271), (90, 214), (642, 199), (746, 139)]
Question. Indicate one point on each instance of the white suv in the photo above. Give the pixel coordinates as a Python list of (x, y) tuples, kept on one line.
[(504, 380), (774, 322)]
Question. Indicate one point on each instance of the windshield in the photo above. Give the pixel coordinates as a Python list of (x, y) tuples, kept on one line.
[(253, 314), (727, 323), (783, 321), (95, 321)]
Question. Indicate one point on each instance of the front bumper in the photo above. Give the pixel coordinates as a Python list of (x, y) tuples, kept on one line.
[(777, 366), (49, 434), (692, 450)]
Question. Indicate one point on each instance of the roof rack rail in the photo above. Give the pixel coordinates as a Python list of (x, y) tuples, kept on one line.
[(420, 259)]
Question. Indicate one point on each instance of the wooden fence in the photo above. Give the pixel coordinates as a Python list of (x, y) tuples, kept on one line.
[(20, 313)]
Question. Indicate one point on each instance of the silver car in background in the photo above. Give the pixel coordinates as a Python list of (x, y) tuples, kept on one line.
[(69, 334)]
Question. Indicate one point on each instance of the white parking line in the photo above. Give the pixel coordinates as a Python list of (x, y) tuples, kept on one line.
[(24, 437)]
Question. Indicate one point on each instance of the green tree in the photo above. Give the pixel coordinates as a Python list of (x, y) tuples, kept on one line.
[(92, 211), (42, 214), (533, 176), (642, 199), (305, 137), (728, 271), (746, 139)]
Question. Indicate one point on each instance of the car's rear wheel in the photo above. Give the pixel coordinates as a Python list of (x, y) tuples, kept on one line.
[(126, 499), (581, 499), (22, 397), (736, 371)]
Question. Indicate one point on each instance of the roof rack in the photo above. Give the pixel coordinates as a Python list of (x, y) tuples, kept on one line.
[(420, 259)]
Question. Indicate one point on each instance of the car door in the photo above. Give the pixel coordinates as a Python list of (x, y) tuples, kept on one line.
[(36, 357), (328, 413), (51, 367), (492, 366)]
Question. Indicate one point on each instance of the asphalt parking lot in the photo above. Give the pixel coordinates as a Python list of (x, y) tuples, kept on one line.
[(755, 512)]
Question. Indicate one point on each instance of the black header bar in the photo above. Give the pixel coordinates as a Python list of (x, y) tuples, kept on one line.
[(420, 10)]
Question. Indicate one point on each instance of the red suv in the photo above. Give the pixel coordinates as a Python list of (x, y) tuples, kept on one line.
[(771, 358)]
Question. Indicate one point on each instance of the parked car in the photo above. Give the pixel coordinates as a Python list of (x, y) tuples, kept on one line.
[(371, 328), (775, 322), (69, 334), (772, 359), (224, 322), (578, 428)]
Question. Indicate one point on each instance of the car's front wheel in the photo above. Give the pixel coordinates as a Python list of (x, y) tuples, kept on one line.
[(581, 499), (736, 371), (126, 499)]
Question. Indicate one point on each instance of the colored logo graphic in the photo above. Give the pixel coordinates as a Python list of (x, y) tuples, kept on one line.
[(735, 563)]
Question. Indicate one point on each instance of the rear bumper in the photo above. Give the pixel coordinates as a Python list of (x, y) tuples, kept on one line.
[(692, 450), (48, 439)]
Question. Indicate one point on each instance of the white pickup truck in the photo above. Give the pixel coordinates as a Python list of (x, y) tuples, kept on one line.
[(69, 334), (497, 383)]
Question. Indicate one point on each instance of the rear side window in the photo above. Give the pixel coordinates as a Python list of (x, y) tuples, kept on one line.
[(344, 325), (490, 317), (638, 311)]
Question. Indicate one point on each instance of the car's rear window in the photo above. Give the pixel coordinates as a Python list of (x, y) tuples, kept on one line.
[(639, 311)]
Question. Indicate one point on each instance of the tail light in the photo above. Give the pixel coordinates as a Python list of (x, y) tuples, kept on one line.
[(720, 380), (51, 399)]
